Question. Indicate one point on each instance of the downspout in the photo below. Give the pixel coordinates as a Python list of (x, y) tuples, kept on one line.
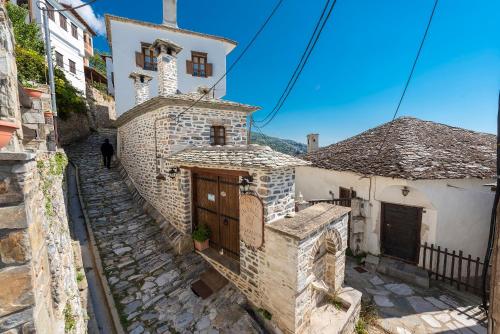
[(489, 250)]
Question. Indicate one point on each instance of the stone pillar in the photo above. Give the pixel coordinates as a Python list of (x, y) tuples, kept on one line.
[(141, 86), (167, 66), (312, 142)]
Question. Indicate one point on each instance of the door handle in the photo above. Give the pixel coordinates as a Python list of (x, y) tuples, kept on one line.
[(226, 221)]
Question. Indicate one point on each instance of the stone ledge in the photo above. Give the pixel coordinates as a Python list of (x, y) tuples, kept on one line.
[(13, 217), (17, 156)]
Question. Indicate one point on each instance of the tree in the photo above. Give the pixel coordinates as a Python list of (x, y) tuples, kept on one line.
[(97, 63), (27, 34)]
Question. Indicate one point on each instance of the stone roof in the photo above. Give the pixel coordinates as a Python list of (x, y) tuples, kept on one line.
[(186, 100), (308, 221), (243, 156), (109, 18), (414, 149)]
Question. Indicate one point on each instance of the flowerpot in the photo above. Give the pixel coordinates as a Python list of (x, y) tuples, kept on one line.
[(6, 131), (32, 92), (201, 245)]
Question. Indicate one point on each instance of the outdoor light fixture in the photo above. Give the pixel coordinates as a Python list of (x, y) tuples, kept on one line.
[(161, 177), (172, 173), (405, 191), (245, 184)]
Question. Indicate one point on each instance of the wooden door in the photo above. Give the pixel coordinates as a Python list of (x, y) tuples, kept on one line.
[(216, 204), (401, 231)]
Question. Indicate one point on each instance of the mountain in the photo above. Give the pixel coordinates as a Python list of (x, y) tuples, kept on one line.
[(286, 146)]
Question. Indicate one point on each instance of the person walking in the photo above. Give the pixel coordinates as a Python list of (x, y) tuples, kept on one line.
[(107, 151)]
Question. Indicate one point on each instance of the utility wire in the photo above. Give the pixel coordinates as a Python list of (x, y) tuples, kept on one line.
[(320, 25), (422, 42), (254, 38)]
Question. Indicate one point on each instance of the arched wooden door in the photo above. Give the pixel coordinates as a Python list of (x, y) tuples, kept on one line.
[(216, 204)]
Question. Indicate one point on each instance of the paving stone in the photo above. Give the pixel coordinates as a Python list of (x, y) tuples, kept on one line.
[(420, 305), (375, 280), (378, 292), (400, 289), (383, 301), (436, 302), (430, 320), (443, 317)]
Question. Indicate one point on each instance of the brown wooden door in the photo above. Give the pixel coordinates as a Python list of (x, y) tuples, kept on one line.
[(216, 204), (401, 231)]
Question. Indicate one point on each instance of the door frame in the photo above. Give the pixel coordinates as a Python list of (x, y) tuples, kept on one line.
[(215, 172), (419, 228)]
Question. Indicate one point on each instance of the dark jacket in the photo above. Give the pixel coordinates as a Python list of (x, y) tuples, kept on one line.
[(107, 149)]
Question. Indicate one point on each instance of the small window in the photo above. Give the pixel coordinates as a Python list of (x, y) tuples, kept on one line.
[(150, 57), (217, 135), (59, 60), (199, 64), (50, 12), (63, 22), (74, 31), (72, 67)]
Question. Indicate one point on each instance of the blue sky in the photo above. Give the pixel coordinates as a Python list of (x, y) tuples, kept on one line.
[(357, 72)]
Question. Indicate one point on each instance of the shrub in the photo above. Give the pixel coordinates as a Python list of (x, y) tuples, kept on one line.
[(69, 99), (31, 67), (201, 233), (27, 35)]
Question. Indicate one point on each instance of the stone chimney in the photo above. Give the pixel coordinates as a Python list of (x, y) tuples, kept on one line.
[(167, 66), (170, 13), (141, 86), (312, 142)]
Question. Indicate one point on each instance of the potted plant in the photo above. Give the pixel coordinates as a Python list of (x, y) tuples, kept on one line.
[(6, 131), (201, 235), (33, 92)]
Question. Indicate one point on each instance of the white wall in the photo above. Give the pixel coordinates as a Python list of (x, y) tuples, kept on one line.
[(456, 213), (126, 41), (109, 76), (63, 42)]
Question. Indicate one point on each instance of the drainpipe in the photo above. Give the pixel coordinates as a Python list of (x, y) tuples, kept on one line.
[(491, 238)]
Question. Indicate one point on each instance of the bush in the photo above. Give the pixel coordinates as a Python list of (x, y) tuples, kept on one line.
[(201, 233), (69, 99), (27, 35), (31, 67)]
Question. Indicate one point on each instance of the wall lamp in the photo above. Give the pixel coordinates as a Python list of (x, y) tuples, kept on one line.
[(172, 173), (246, 182), (405, 191)]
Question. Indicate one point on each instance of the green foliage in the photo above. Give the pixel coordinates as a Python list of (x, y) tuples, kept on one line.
[(367, 317), (69, 99), (285, 146), (201, 233), (335, 301), (97, 63), (27, 35), (80, 276), (31, 66), (100, 87), (69, 319), (265, 313)]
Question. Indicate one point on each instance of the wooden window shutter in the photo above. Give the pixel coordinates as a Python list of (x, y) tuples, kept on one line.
[(210, 70), (189, 67), (139, 59)]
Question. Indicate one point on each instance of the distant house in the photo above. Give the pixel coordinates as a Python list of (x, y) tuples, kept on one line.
[(201, 62), (426, 184)]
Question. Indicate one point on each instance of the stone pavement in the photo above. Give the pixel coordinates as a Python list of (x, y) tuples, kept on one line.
[(150, 284), (407, 309)]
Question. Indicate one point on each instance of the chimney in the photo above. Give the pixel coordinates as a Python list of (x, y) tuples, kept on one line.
[(167, 66), (170, 13), (312, 142), (141, 86)]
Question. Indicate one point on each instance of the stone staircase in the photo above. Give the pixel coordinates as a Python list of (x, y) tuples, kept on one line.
[(150, 282)]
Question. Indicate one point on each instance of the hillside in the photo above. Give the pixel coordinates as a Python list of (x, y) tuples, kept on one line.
[(286, 146)]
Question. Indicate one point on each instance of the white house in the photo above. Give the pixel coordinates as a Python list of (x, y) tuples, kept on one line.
[(201, 62), (426, 184)]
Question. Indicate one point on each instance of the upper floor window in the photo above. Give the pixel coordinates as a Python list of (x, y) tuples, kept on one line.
[(63, 22), (50, 12), (217, 135), (74, 30), (147, 58), (72, 66), (59, 60), (198, 66)]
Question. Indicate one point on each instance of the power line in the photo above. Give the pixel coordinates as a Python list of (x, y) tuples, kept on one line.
[(313, 40), (410, 76), (254, 38)]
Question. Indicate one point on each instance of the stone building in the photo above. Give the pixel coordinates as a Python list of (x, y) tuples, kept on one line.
[(188, 157)]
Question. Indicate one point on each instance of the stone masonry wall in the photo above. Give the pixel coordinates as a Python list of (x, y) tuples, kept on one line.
[(102, 109), (37, 271), (137, 146), (73, 128)]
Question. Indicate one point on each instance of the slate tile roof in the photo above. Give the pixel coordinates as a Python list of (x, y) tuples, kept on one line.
[(414, 149), (245, 156)]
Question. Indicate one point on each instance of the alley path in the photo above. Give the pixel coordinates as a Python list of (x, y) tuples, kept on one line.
[(150, 284)]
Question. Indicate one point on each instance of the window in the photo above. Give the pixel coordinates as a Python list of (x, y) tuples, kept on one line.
[(62, 22), (50, 12), (59, 60), (217, 135), (74, 31), (198, 66), (150, 59), (72, 67)]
